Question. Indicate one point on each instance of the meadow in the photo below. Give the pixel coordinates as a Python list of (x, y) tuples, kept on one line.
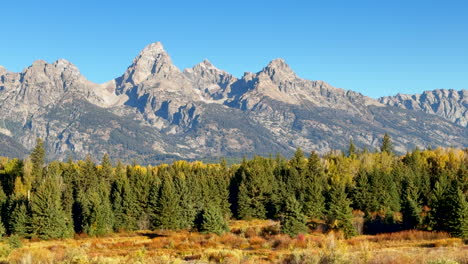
[(255, 241)]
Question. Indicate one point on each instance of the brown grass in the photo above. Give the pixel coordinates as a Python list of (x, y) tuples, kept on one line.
[(257, 241), (409, 235)]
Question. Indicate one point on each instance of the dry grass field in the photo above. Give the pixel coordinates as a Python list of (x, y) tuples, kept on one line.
[(255, 241)]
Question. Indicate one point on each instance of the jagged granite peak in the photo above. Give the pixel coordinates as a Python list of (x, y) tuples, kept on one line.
[(206, 64), (447, 103), (157, 89), (153, 61), (203, 67), (43, 84), (279, 70), (277, 81), (213, 83)]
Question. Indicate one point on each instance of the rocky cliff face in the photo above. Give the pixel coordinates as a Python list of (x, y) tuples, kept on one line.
[(155, 111), (449, 104)]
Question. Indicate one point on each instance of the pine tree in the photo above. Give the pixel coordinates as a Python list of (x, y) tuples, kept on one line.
[(314, 201), (88, 178), (293, 221), (153, 203), (140, 182), (187, 209), (97, 216), (295, 176), (411, 207), (69, 189), (362, 196), (438, 214), (386, 144), (351, 149), (456, 211), (211, 220), (384, 192), (167, 212), (339, 211), (19, 218), (106, 171), (255, 188), (38, 158), (123, 202), (48, 220)]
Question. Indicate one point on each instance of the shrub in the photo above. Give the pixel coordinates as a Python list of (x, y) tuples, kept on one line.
[(14, 241), (211, 220), (293, 222), (4, 251), (270, 230)]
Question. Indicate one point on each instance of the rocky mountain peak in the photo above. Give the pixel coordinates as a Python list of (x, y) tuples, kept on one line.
[(202, 67), (278, 70), (206, 67), (207, 64), (212, 82), (37, 63), (151, 53), (152, 60), (61, 69), (450, 104)]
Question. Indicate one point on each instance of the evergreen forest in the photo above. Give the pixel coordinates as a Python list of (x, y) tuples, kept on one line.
[(352, 192)]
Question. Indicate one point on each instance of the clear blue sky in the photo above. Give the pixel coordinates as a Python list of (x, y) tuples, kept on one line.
[(373, 47)]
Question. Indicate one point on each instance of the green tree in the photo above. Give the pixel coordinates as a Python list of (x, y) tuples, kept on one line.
[(438, 213), (153, 203), (339, 211), (88, 178), (97, 215), (37, 157), (387, 145), (211, 220), (48, 220), (362, 195), (123, 201), (411, 207), (19, 218), (455, 207), (167, 212), (140, 183), (351, 149), (295, 175), (255, 188), (106, 172), (293, 221), (313, 199), (69, 189), (187, 210)]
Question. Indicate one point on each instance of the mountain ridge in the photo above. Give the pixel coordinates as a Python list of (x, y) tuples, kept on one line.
[(193, 113)]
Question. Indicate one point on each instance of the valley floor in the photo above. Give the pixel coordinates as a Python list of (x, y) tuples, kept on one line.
[(254, 241)]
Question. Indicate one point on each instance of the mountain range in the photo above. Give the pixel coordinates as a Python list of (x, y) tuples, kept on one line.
[(155, 112)]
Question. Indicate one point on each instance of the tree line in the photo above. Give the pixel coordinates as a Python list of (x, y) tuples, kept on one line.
[(353, 192)]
